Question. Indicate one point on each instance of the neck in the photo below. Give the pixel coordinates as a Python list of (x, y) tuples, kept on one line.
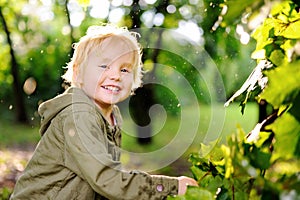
[(107, 112)]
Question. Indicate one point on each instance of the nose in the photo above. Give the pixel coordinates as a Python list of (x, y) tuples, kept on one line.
[(114, 73)]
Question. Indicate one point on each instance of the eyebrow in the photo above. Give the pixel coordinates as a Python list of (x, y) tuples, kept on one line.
[(106, 60), (126, 64)]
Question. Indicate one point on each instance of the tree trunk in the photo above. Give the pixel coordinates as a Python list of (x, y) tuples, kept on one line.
[(71, 28), (144, 97), (135, 14), (142, 100), (17, 88)]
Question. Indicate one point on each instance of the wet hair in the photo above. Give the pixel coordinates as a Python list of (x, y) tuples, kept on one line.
[(94, 37)]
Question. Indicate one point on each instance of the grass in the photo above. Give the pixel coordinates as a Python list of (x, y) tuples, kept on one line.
[(14, 135), (174, 137), (224, 123)]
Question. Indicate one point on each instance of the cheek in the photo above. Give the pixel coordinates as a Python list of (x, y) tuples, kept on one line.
[(129, 80), (93, 77)]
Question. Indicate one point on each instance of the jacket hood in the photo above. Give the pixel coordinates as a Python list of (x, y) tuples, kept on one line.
[(49, 109)]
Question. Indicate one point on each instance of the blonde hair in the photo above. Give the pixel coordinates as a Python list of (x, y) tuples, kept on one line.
[(93, 38)]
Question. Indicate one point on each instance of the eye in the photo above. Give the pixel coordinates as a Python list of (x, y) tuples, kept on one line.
[(103, 66), (125, 70)]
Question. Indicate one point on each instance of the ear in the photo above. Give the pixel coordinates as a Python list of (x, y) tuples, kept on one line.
[(77, 77)]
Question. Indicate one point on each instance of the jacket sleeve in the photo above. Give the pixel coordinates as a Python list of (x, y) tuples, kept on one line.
[(86, 143)]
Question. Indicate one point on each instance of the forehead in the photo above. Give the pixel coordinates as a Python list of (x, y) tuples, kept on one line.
[(115, 47)]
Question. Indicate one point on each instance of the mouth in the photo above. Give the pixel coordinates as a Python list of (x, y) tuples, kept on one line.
[(111, 88)]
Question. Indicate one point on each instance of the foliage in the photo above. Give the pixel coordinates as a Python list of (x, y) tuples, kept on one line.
[(5, 193), (42, 40), (41, 50), (263, 164), (259, 165)]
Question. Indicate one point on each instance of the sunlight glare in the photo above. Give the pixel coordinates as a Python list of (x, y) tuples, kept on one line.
[(100, 9), (127, 2), (244, 36), (171, 9), (66, 30), (150, 1), (147, 18), (190, 30), (116, 3), (158, 19), (45, 13), (194, 2), (116, 15), (47, 2), (186, 11), (76, 13)]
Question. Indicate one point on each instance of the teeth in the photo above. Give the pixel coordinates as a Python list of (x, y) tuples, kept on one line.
[(111, 88)]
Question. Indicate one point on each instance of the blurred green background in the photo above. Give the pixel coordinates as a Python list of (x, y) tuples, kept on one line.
[(184, 49)]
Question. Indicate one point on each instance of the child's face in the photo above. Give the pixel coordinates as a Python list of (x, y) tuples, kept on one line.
[(108, 76)]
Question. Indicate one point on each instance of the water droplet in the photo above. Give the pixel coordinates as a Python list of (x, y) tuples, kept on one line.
[(42, 51), (10, 107)]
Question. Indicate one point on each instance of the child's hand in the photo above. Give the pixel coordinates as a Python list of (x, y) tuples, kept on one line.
[(183, 182)]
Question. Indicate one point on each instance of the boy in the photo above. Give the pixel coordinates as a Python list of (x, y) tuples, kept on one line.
[(78, 154)]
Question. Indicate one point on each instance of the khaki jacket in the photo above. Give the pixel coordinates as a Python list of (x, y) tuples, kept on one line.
[(78, 157)]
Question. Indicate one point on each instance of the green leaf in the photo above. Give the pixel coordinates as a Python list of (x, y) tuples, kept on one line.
[(283, 85), (259, 158), (287, 9), (199, 161), (262, 34), (288, 45), (176, 198), (286, 20), (223, 194), (210, 150), (287, 132), (292, 30), (196, 193), (235, 8), (206, 181), (197, 173), (278, 57), (294, 110)]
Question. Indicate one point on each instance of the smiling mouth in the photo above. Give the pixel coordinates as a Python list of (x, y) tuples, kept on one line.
[(111, 88)]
